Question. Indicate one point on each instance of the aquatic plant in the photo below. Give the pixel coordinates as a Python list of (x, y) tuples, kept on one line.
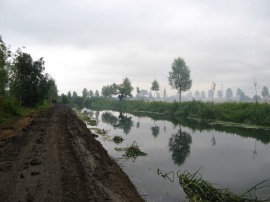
[(198, 189), (131, 152), (84, 116), (117, 139)]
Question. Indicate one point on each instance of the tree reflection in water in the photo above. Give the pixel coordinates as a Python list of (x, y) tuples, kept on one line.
[(179, 145), (155, 131), (125, 123), (122, 121)]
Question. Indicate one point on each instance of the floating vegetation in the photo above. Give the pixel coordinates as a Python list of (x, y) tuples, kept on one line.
[(198, 189), (131, 152), (117, 139), (99, 131), (84, 116), (119, 149), (102, 133)]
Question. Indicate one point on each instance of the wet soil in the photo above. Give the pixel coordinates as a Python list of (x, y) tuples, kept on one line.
[(52, 156)]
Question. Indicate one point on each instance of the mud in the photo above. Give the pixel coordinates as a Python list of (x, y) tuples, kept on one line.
[(52, 156)]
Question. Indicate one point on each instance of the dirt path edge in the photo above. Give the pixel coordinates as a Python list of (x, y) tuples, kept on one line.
[(52, 156)]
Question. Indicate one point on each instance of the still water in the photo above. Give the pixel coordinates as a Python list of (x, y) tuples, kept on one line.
[(235, 160)]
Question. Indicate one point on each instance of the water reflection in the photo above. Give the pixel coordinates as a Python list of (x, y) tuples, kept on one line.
[(155, 131), (122, 121), (179, 145), (97, 116), (213, 140), (255, 151), (109, 118), (125, 123), (138, 124)]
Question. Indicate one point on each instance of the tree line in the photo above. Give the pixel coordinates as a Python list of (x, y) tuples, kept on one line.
[(24, 80)]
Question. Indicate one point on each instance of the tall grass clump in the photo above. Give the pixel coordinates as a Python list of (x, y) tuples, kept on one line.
[(9, 109)]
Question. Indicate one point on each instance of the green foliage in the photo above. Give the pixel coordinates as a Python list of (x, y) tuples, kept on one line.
[(179, 77), (131, 152), (29, 84), (23, 84), (4, 55), (155, 87), (124, 89), (117, 139), (109, 90), (247, 113), (198, 189)]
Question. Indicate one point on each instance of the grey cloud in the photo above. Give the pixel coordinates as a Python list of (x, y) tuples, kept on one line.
[(223, 41)]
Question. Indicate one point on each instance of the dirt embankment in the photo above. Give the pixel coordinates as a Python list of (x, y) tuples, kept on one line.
[(52, 156)]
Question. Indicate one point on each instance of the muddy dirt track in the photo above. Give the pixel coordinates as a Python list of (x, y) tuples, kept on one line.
[(52, 156)]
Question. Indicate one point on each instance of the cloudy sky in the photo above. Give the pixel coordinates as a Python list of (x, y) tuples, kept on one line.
[(90, 44)]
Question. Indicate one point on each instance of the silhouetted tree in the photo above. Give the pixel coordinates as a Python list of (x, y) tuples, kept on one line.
[(28, 82), (197, 95), (85, 93), (179, 77), (220, 94), (229, 94), (4, 55), (91, 93), (265, 93), (96, 93), (155, 87), (124, 89), (203, 96)]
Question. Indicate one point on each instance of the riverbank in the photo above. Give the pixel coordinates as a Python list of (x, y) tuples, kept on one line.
[(236, 114), (52, 156)]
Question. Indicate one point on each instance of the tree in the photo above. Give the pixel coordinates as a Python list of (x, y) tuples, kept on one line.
[(4, 55), (138, 90), (203, 96), (164, 94), (64, 99), (213, 88), (155, 87), (210, 94), (255, 86), (220, 94), (74, 95), (69, 95), (197, 95), (229, 94), (124, 89), (28, 83), (96, 93), (179, 77), (105, 91), (265, 93), (242, 96), (85, 93), (109, 90), (52, 90), (91, 93)]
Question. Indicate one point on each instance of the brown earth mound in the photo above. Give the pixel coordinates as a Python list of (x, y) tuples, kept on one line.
[(52, 156)]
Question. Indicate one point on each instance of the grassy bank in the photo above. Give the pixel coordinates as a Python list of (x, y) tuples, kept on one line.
[(243, 114), (10, 109)]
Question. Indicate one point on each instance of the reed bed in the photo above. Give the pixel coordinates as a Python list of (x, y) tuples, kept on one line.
[(198, 189)]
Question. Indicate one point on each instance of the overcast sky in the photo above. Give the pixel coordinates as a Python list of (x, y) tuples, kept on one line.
[(90, 44)]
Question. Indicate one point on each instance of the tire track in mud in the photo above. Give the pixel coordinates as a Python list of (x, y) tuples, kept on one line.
[(54, 157)]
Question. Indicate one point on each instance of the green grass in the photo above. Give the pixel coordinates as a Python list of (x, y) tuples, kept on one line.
[(198, 189), (240, 113), (10, 109)]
